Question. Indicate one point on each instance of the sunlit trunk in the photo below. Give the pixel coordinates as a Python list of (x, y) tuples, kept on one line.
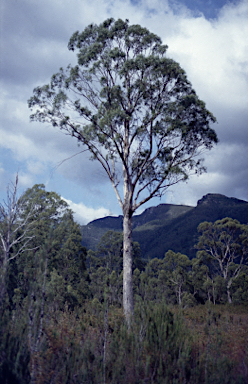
[(127, 268), (128, 305)]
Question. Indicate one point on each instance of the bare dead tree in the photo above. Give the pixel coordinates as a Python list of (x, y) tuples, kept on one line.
[(15, 232)]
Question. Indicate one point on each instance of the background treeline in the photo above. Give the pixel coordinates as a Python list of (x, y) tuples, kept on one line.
[(174, 279), (61, 305)]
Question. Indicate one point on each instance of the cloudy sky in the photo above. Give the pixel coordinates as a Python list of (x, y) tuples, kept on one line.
[(209, 38)]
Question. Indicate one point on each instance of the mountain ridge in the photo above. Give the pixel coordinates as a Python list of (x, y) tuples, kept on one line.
[(169, 226)]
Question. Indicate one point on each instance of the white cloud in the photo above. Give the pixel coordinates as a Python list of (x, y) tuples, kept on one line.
[(25, 180), (84, 215), (215, 55)]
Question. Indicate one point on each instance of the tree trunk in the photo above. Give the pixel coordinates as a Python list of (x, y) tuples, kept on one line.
[(213, 294), (179, 294), (229, 297), (128, 305)]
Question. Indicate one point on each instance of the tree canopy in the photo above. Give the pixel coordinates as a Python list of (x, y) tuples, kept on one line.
[(129, 104)]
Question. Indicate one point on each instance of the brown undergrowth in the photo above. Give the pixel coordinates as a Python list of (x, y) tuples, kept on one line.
[(221, 330), (199, 345), (203, 344)]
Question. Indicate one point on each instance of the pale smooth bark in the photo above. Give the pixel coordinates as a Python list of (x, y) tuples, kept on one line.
[(127, 208), (127, 268)]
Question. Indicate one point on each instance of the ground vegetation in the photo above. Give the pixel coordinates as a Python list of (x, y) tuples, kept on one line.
[(62, 319)]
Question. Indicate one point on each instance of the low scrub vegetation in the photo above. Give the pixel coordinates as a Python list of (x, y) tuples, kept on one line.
[(206, 344)]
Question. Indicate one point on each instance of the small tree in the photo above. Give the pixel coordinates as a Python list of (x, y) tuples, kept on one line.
[(135, 111), (226, 243), (177, 267)]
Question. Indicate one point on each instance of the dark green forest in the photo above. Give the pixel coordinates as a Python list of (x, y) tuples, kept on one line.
[(61, 303)]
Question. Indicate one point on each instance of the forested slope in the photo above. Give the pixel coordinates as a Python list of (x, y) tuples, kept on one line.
[(169, 227)]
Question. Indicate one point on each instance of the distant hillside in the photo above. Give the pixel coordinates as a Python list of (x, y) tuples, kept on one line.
[(169, 226), (149, 219)]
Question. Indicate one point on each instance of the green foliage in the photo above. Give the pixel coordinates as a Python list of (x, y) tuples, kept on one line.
[(167, 346), (109, 252), (177, 267), (66, 261), (166, 280)]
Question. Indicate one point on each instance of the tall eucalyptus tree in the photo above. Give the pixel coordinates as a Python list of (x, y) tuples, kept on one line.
[(135, 111)]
